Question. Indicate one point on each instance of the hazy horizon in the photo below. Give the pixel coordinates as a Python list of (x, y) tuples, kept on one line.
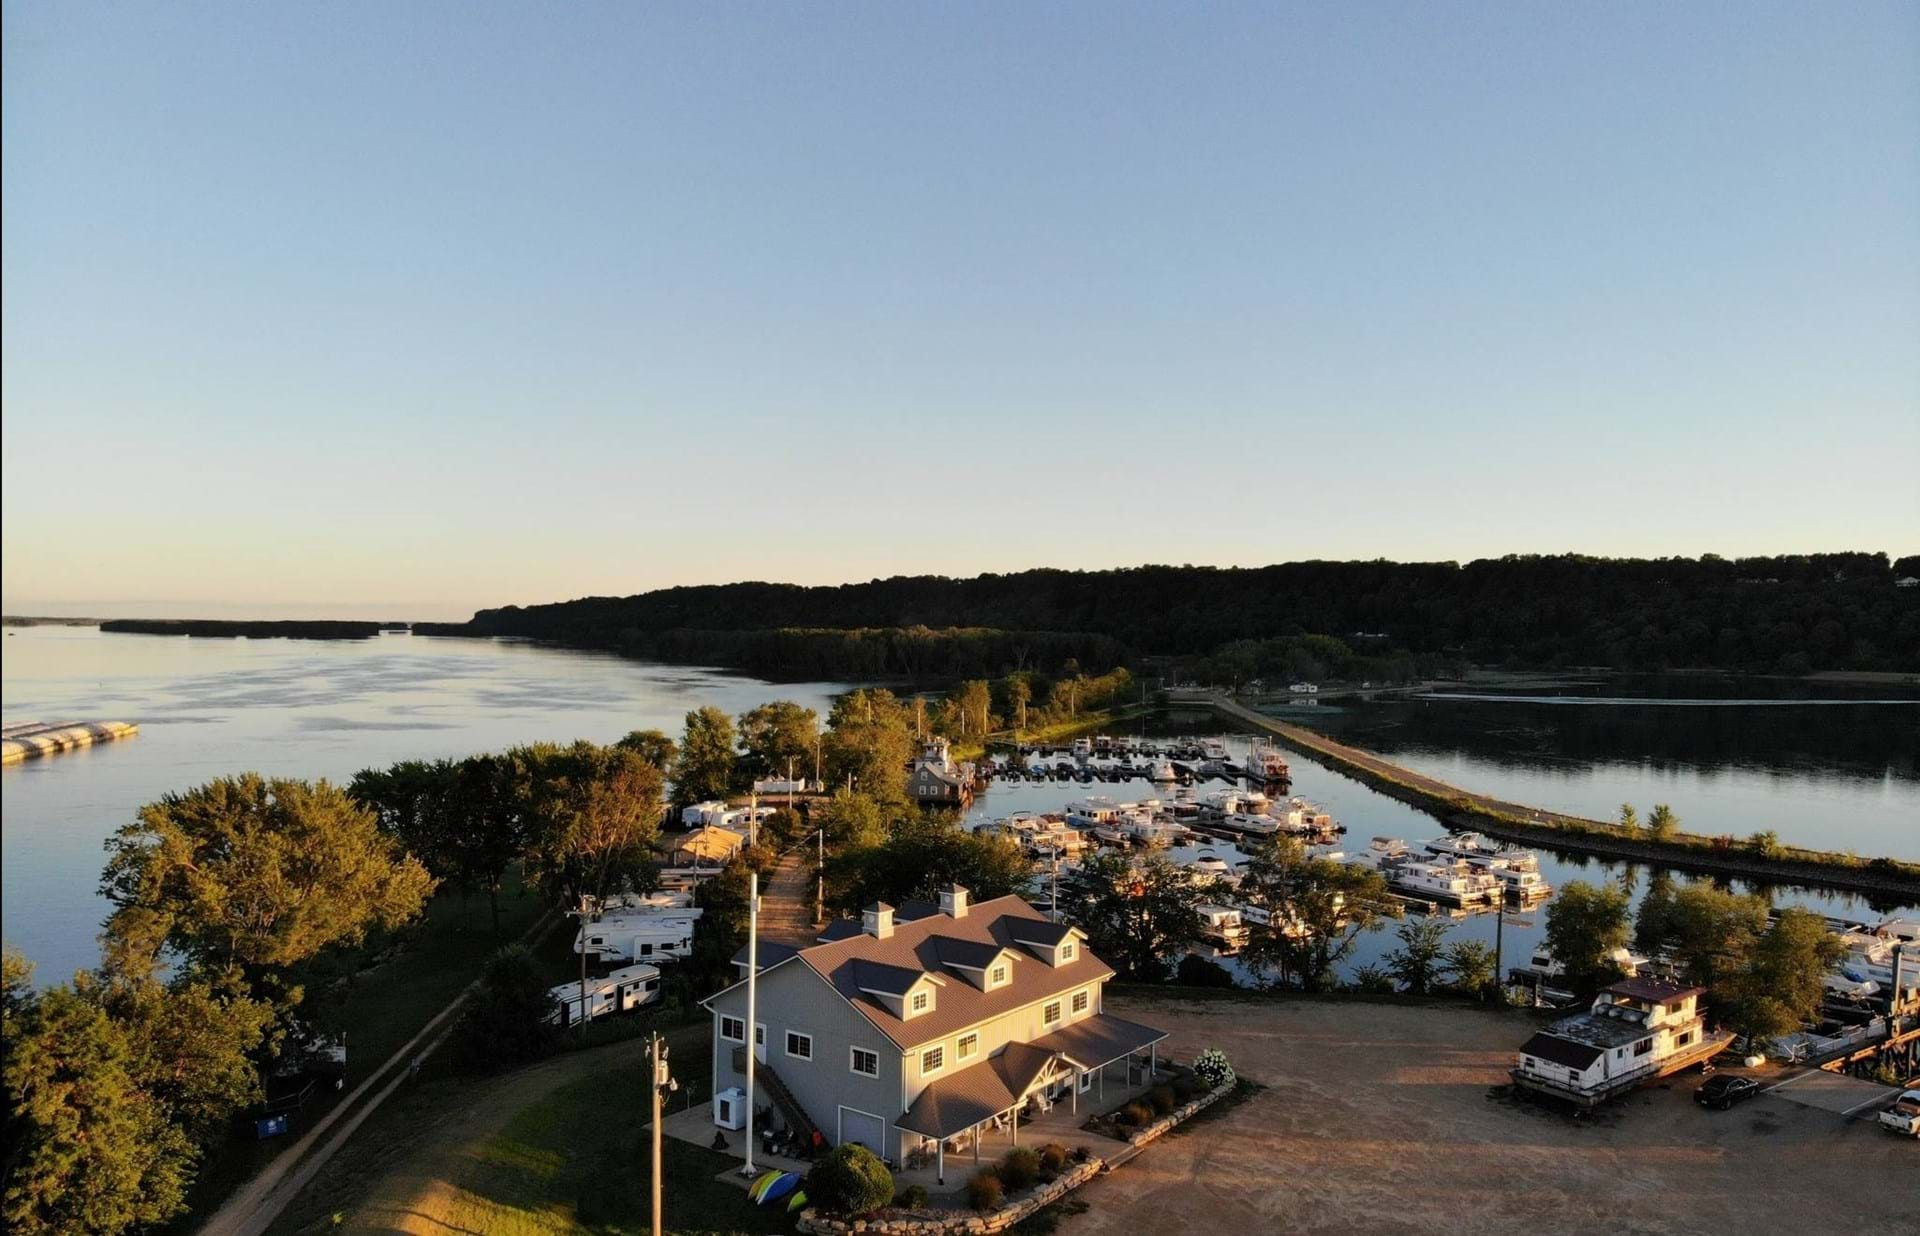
[(404, 311)]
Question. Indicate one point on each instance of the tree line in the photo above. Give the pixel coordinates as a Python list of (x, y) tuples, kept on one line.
[(1787, 614)]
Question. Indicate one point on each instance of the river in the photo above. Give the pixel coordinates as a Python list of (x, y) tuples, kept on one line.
[(212, 707)]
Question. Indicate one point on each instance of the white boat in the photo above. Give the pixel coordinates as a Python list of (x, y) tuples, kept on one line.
[(1382, 854), (1869, 958), (1519, 885), (1904, 929), (1163, 771), (1858, 989), (1447, 881), (1215, 750), (1249, 825), (1223, 927), (1145, 828), (1265, 763), (1543, 967), (1478, 846), (1083, 747), (1092, 812)]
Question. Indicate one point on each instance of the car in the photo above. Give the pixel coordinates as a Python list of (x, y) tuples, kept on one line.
[(1723, 1090), (1904, 1115)]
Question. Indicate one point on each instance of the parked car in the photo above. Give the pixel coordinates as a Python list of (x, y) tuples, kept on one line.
[(1904, 1115), (1723, 1091)]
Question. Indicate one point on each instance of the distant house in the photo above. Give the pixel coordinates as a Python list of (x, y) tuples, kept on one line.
[(907, 1035), (936, 780), (782, 785), (1637, 1030), (707, 847)]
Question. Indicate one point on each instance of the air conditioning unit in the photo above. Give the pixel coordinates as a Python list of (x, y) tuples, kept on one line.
[(730, 1108)]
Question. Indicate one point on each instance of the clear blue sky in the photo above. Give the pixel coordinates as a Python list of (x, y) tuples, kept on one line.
[(329, 308)]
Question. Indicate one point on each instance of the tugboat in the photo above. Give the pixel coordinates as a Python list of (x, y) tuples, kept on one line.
[(1266, 764)]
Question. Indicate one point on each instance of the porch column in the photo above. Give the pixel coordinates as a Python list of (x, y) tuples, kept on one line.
[(940, 1161), (1103, 1082), (1153, 1060), (1013, 1128), (976, 1144), (1077, 1074)]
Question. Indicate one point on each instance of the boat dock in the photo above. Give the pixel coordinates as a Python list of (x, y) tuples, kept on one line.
[(26, 740)]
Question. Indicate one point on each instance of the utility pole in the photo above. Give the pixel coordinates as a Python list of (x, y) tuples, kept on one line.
[(820, 876), (662, 1081), (1499, 930), (753, 989), (581, 944)]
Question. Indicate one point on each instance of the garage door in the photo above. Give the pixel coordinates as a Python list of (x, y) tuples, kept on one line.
[(870, 1131)]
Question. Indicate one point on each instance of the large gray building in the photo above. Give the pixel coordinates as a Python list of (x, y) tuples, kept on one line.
[(923, 1026)]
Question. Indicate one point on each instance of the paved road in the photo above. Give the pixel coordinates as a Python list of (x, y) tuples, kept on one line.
[(786, 902)]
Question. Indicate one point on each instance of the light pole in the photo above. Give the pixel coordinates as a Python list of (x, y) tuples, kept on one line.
[(753, 986), (662, 1082)]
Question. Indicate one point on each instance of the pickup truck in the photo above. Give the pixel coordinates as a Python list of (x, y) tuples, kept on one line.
[(1904, 1115)]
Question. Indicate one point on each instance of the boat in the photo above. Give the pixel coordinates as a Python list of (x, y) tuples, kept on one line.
[(1265, 763), (1478, 846), (1450, 882), (1092, 812), (1083, 748), (1517, 885), (1222, 927), (1215, 750), (1248, 825), (1382, 854), (1162, 771)]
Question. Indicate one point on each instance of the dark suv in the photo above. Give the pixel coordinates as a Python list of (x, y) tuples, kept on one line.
[(1725, 1090)]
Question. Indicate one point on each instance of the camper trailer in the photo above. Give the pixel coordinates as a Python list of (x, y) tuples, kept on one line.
[(639, 937), (620, 991)]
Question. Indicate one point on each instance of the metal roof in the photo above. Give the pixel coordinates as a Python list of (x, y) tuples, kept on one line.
[(1100, 1040), (1653, 991), (1549, 1046)]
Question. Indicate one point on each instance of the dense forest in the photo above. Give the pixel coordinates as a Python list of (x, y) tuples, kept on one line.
[(1782, 615)]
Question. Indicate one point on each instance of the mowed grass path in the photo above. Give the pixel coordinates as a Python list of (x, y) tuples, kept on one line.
[(561, 1147)]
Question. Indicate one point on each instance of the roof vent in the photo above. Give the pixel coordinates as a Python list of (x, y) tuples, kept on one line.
[(877, 920), (953, 901)]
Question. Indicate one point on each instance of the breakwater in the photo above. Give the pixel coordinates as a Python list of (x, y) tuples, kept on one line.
[(211, 628), (28, 740), (1459, 808)]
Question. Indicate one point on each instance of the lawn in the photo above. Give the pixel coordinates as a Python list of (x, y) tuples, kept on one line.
[(557, 1148), (392, 986)]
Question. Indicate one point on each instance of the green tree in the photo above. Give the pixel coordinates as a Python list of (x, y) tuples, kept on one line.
[(1138, 916), (975, 702), (594, 815), (86, 1148), (1019, 693), (849, 1180), (1585, 925), (1765, 844), (922, 855), (1629, 818), (1784, 979), (1316, 912), (1416, 964), (506, 1023), (191, 1045), (706, 768), (1707, 930), (778, 738), (853, 821), (869, 742), (1663, 824), (1470, 968), (653, 746), (253, 873), (410, 801)]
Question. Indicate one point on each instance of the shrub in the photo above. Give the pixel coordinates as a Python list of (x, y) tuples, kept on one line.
[(505, 1022), (1196, 971), (1162, 1099), (913, 1197), (983, 1190), (850, 1180), (1212, 1069), (1081, 1154), (1019, 1168), (1053, 1157), (1137, 1114), (1184, 1087)]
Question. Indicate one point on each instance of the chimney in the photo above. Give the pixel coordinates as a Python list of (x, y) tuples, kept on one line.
[(877, 920), (953, 901)]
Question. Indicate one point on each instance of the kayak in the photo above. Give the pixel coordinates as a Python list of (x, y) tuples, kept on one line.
[(799, 1200), (762, 1183), (787, 1183)]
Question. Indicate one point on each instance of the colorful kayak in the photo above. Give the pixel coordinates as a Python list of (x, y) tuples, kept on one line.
[(761, 1184), (780, 1188), (799, 1201)]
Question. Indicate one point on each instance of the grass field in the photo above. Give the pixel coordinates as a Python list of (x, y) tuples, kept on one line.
[(557, 1148), (391, 988)]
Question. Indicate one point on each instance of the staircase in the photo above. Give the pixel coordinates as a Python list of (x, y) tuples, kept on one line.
[(794, 1115)]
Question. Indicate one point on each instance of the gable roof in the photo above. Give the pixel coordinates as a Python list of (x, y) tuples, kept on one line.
[(1039, 931), (968, 954), (871, 976), (917, 947)]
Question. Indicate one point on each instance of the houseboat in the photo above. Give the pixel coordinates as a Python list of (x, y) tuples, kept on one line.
[(1448, 882), (1383, 854), (1215, 750), (1637, 1030), (1480, 848), (1162, 772), (1222, 927), (1266, 764)]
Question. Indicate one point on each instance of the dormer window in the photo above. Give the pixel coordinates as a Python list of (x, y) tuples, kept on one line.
[(997, 977), (1066, 952), (920, 1001)]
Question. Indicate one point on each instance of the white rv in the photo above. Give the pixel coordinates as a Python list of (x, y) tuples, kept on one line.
[(639, 937), (620, 991)]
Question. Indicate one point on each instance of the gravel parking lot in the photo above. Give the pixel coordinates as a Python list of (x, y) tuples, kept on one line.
[(1387, 1118)]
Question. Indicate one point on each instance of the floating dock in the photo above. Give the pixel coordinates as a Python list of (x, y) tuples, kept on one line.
[(26, 740)]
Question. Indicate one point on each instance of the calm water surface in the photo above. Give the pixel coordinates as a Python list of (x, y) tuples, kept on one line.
[(211, 707)]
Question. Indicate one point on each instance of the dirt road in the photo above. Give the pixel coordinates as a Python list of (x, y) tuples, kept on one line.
[(1379, 1119)]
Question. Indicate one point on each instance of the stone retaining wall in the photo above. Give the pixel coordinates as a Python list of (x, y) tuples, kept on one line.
[(957, 1222)]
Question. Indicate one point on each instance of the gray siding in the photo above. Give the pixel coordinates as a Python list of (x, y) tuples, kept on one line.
[(795, 998)]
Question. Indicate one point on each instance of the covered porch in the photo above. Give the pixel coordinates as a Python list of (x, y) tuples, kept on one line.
[(1031, 1090)]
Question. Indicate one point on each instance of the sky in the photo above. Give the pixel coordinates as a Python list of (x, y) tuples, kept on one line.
[(404, 310)]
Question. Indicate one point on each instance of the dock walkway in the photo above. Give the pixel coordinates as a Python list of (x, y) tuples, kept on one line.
[(26, 740)]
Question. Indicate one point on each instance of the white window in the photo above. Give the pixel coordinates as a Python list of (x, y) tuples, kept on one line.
[(1066, 951), (734, 1028), (799, 1046), (997, 977), (865, 1063), (1050, 1014), (968, 1047), (933, 1060), (1080, 1001), (920, 1001)]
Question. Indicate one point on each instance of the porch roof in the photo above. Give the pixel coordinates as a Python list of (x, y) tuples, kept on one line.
[(1100, 1040)]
